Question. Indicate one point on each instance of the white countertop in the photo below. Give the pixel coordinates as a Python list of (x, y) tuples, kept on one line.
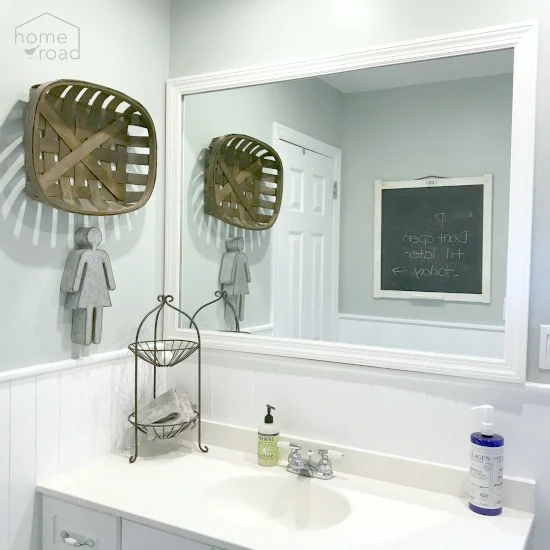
[(169, 493)]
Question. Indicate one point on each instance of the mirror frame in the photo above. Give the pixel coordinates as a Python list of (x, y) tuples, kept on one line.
[(523, 38)]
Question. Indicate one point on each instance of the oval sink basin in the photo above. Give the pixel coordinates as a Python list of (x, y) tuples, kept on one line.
[(294, 503)]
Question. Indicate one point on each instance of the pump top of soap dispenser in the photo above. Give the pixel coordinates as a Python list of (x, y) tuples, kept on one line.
[(488, 424), (268, 417)]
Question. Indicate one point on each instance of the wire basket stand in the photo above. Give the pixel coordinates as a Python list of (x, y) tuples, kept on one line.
[(221, 295), (162, 353)]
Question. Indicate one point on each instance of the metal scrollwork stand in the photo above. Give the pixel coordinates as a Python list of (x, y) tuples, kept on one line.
[(221, 295), (161, 354)]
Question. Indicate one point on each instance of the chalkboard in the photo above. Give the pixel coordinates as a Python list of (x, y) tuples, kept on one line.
[(433, 239)]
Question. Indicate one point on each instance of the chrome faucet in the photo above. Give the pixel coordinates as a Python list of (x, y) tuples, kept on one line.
[(307, 467)]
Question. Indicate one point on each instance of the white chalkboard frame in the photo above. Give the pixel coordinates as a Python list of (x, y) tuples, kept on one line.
[(432, 182)]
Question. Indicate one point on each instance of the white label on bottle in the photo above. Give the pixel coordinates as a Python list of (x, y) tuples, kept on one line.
[(486, 476)]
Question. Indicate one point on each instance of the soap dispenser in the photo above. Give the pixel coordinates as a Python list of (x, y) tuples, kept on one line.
[(268, 437), (486, 466)]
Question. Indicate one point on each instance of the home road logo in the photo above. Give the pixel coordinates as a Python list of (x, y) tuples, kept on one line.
[(48, 38)]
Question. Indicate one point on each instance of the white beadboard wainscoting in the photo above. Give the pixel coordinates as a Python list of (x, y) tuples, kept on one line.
[(479, 340), (409, 415), (53, 418), (56, 417)]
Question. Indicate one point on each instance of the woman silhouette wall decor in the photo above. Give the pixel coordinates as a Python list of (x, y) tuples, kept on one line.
[(234, 277), (87, 280)]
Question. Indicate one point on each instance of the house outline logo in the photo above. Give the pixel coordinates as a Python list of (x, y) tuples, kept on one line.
[(48, 37)]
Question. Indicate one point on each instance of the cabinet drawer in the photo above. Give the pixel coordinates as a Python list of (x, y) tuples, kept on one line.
[(80, 523), (139, 537)]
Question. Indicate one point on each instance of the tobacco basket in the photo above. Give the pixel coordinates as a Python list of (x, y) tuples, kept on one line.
[(243, 182), (89, 149)]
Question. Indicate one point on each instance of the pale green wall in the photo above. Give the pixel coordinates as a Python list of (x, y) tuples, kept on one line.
[(207, 41), (454, 129), (34, 326), (309, 106), (459, 128)]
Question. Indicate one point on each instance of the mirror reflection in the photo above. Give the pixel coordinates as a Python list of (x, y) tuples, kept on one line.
[(391, 229)]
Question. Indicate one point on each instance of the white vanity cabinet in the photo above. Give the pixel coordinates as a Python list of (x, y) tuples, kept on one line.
[(139, 537), (198, 502), (67, 526), (63, 523)]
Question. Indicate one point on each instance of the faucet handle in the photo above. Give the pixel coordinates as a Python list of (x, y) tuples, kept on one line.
[(295, 461), (289, 445), (330, 453), (325, 465)]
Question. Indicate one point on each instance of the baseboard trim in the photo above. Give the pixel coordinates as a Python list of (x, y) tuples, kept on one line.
[(258, 329), (420, 322), (67, 364), (420, 474), (416, 334)]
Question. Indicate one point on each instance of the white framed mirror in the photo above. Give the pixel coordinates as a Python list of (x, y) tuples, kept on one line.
[(403, 239)]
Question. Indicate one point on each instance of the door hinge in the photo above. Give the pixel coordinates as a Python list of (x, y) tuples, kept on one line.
[(335, 190)]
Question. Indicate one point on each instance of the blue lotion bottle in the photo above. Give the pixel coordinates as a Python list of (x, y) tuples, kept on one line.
[(486, 467)]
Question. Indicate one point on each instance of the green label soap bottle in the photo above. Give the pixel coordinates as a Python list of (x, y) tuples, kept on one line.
[(268, 437)]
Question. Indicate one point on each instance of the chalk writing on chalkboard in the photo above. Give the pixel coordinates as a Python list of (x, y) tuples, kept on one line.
[(433, 239)]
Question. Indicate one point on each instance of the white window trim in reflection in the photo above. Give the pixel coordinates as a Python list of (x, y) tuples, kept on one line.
[(523, 38)]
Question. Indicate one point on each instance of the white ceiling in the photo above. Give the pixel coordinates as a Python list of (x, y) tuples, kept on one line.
[(423, 72)]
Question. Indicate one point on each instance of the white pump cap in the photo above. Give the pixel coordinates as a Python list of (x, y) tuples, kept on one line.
[(487, 425)]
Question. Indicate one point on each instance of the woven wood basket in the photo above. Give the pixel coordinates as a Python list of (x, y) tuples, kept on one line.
[(89, 149), (243, 182)]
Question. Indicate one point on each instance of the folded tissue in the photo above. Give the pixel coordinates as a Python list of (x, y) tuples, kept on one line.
[(187, 410), (162, 409), (168, 408)]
